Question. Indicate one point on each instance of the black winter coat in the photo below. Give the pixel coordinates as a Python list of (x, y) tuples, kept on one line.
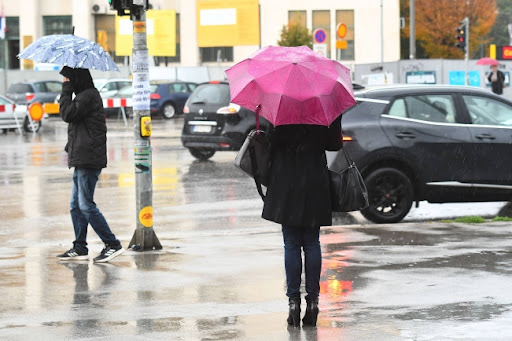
[(87, 129), (298, 190)]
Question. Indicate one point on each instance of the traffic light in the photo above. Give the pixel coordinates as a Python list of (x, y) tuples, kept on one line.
[(461, 36), (121, 6)]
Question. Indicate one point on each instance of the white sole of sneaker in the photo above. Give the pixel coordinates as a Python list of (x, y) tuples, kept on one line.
[(112, 256), (73, 258)]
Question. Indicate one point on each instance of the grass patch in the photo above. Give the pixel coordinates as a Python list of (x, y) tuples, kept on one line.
[(502, 219), (470, 220)]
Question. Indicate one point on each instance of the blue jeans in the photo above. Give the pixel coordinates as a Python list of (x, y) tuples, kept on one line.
[(306, 238), (84, 211)]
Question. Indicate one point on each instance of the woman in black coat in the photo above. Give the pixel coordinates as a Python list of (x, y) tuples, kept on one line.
[(298, 198)]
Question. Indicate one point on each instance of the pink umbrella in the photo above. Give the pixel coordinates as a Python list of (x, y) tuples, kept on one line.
[(487, 61), (291, 85)]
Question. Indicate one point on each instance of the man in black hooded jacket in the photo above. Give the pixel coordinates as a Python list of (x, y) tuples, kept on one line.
[(87, 153)]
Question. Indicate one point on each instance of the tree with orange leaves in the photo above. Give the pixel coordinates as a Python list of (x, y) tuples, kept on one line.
[(437, 20)]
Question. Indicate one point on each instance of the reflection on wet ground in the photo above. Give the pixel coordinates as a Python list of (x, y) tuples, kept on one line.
[(220, 275)]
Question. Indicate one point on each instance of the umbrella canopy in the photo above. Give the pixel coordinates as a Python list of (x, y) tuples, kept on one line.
[(487, 61), (69, 50), (291, 85)]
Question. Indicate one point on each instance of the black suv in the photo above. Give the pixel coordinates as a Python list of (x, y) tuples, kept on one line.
[(434, 143), (213, 124), (34, 92)]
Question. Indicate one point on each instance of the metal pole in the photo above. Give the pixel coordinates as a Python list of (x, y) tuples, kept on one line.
[(466, 54), (144, 237), (412, 30), (381, 32)]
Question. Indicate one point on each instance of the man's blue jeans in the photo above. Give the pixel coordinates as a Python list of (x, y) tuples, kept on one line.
[(84, 211), (306, 238)]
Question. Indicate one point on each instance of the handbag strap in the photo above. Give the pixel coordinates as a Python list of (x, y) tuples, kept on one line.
[(348, 158), (255, 172)]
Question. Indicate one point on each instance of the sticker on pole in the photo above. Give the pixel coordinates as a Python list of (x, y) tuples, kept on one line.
[(146, 216)]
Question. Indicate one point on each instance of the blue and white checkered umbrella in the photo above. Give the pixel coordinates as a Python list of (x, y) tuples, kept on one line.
[(69, 50)]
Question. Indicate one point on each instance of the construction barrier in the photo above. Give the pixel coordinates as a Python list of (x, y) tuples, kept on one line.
[(109, 103)]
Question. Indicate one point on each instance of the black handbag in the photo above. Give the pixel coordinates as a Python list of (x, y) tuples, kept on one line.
[(348, 191), (254, 158)]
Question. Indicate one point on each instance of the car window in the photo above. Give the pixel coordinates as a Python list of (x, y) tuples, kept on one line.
[(4, 101), (153, 88), (488, 111), (121, 85), (20, 88), (53, 86), (125, 92), (191, 86), (178, 87), (109, 87), (40, 87), (211, 94), (431, 108)]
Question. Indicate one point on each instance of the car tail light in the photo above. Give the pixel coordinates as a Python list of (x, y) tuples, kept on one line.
[(186, 110), (347, 138), (154, 96), (29, 96), (224, 145), (214, 82), (230, 109)]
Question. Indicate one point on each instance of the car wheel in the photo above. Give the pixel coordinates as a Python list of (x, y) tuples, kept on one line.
[(31, 128), (201, 153), (390, 195), (168, 110)]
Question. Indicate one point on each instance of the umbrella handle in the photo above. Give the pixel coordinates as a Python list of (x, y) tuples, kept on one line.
[(258, 107)]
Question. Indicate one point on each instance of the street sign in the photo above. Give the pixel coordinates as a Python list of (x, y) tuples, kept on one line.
[(341, 31), (319, 36), (321, 49)]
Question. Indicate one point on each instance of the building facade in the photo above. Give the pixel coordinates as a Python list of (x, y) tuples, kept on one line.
[(215, 32)]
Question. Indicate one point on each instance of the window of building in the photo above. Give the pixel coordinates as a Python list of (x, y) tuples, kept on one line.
[(216, 54), (322, 19), (297, 18), (346, 17), (57, 25), (10, 46)]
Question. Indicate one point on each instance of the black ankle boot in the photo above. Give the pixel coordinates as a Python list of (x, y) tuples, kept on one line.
[(294, 313), (311, 313)]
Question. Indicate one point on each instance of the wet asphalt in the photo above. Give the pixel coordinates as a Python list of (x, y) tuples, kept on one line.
[(220, 274)]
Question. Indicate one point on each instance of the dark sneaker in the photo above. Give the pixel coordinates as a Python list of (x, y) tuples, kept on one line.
[(73, 254), (108, 253)]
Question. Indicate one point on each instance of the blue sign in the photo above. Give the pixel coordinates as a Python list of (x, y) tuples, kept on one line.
[(319, 35), (459, 78)]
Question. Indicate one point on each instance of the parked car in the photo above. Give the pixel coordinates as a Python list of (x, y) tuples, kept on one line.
[(168, 98), (212, 123), (32, 92), (109, 87), (10, 120), (435, 143)]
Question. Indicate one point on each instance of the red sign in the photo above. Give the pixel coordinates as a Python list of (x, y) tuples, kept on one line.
[(506, 52)]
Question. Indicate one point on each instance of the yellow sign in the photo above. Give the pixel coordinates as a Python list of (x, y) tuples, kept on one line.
[(160, 29), (145, 126), (36, 111), (146, 216), (341, 44), (51, 108), (227, 22)]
